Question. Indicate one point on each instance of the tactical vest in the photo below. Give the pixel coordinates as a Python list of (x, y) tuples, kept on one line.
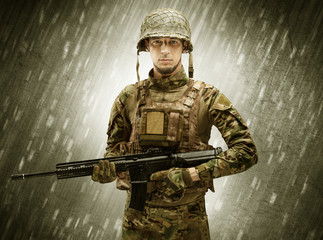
[(177, 125), (171, 125)]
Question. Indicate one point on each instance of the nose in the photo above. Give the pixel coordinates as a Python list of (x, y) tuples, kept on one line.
[(165, 48)]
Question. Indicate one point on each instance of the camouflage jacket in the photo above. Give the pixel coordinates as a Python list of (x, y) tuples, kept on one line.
[(214, 110)]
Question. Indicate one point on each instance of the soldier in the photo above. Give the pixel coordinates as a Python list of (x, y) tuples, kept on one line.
[(170, 110)]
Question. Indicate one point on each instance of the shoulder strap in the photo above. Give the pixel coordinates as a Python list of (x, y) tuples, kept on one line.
[(191, 96)]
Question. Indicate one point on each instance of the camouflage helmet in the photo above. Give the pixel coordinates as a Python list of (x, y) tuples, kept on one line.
[(165, 22)]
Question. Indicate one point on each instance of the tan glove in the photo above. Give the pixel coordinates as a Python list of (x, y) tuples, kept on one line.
[(104, 172)]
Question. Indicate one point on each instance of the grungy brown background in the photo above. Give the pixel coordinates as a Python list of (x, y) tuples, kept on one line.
[(62, 63)]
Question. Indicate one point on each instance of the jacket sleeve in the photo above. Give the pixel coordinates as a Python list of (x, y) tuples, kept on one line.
[(241, 153), (119, 125)]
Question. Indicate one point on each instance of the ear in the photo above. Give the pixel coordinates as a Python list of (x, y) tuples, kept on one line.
[(147, 45), (185, 46)]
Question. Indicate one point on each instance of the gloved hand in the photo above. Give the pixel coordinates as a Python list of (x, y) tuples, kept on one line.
[(104, 172), (174, 180)]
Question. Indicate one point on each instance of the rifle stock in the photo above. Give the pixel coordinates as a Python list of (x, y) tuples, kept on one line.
[(140, 167)]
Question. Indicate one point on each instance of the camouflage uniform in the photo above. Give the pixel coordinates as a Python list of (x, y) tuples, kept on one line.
[(183, 216)]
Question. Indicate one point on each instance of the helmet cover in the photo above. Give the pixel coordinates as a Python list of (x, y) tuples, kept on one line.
[(165, 22)]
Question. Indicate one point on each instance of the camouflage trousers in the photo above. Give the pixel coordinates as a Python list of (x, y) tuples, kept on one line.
[(179, 222)]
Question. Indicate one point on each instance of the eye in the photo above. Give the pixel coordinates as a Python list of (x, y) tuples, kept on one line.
[(174, 42), (156, 42)]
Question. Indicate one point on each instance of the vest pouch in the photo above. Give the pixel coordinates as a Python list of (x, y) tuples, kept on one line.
[(160, 128)]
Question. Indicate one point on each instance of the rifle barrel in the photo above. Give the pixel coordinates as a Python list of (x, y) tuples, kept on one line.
[(29, 175)]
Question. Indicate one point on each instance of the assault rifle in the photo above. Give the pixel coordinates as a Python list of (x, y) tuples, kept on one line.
[(140, 167)]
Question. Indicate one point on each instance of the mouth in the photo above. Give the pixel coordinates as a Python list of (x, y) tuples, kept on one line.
[(165, 60)]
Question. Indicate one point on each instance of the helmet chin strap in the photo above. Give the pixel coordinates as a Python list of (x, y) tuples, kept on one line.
[(137, 66), (190, 65)]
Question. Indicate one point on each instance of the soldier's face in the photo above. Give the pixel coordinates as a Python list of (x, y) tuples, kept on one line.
[(166, 54)]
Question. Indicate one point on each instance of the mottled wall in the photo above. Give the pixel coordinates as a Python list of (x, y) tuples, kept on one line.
[(62, 63)]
